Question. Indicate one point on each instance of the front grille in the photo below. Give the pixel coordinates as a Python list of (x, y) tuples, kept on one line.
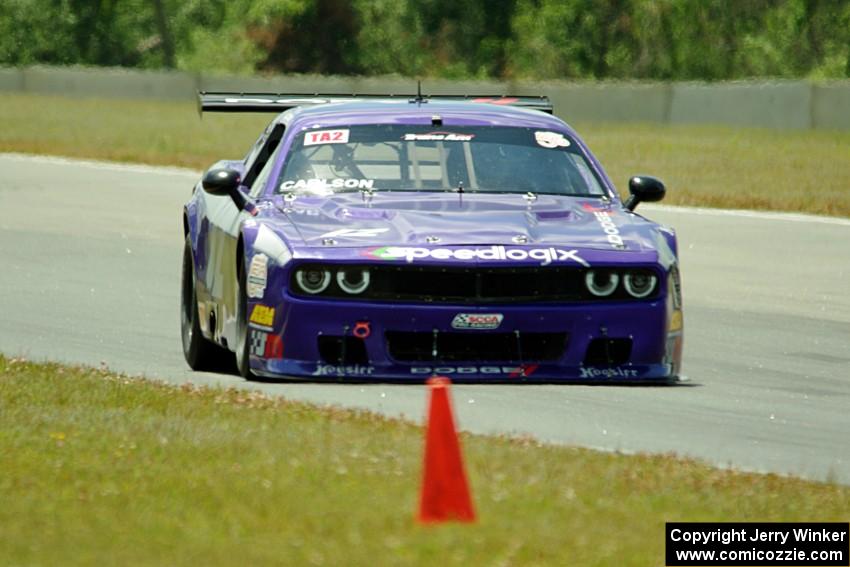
[(342, 350), (464, 285), (608, 352), (475, 347)]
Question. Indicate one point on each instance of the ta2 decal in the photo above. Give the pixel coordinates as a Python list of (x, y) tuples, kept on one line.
[(326, 137)]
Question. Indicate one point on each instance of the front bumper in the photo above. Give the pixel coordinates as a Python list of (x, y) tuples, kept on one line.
[(654, 354)]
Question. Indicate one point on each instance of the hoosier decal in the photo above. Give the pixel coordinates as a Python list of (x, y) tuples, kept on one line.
[(344, 370), (616, 372)]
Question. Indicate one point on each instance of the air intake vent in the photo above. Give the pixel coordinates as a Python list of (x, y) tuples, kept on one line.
[(342, 350), (476, 347), (608, 352)]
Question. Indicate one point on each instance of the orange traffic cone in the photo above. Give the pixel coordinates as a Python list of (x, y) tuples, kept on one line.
[(445, 491)]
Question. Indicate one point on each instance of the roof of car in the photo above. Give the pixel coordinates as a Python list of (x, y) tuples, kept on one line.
[(405, 112)]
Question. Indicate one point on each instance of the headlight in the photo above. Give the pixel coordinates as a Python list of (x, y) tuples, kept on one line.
[(601, 284), (639, 284), (313, 280), (353, 281)]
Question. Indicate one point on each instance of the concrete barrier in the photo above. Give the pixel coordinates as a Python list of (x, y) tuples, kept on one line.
[(109, 83), (775, 104), (11, 79), (609, 101), (831, 106), (784, 104)]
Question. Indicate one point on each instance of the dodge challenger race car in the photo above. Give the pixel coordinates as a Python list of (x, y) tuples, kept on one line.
[(392, 238)]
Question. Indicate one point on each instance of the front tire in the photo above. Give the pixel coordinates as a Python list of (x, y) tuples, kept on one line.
[(200, 354)]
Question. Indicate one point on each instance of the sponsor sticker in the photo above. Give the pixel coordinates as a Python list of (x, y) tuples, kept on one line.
[(591, 208), (307, 212), (262, 315), (258, 276), (438, 137), (477, 320), (258, 343), (615, 372), (355, 232), (510, 371), (343, 370), (326, 137), (265, 345), (675, 321), (327, 184), (551, 140), (544, 256), (610, 229), (497, 100)]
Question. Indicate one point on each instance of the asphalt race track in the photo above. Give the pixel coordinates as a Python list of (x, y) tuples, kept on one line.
[(89, 273)]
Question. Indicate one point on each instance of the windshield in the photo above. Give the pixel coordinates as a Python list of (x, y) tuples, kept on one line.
[(395, 157)]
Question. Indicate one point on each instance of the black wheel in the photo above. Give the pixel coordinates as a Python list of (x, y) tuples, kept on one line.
[(200, 353), (242, 342)]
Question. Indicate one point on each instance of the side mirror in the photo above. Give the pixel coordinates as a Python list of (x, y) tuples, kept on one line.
[(221, 181), (225, 182), (644, 188)]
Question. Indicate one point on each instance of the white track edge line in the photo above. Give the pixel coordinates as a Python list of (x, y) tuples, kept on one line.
[(102, 165)]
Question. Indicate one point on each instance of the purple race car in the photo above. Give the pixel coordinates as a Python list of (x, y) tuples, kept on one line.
[(394, 238)]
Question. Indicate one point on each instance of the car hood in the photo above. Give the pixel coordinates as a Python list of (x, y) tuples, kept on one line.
[(450, 219)]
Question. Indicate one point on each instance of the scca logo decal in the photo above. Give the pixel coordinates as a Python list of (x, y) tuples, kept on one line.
[(498, 253), (477, 320)]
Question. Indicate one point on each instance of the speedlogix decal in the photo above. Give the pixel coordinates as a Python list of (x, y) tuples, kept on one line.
[(492, 253)]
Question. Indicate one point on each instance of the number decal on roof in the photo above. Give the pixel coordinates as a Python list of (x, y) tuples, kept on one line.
[(551, 140)]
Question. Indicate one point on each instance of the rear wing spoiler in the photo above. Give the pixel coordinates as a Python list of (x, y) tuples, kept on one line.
[(279, 102)]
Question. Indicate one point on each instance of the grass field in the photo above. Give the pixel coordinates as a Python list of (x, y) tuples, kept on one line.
[(805, 171), (103, 469)]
